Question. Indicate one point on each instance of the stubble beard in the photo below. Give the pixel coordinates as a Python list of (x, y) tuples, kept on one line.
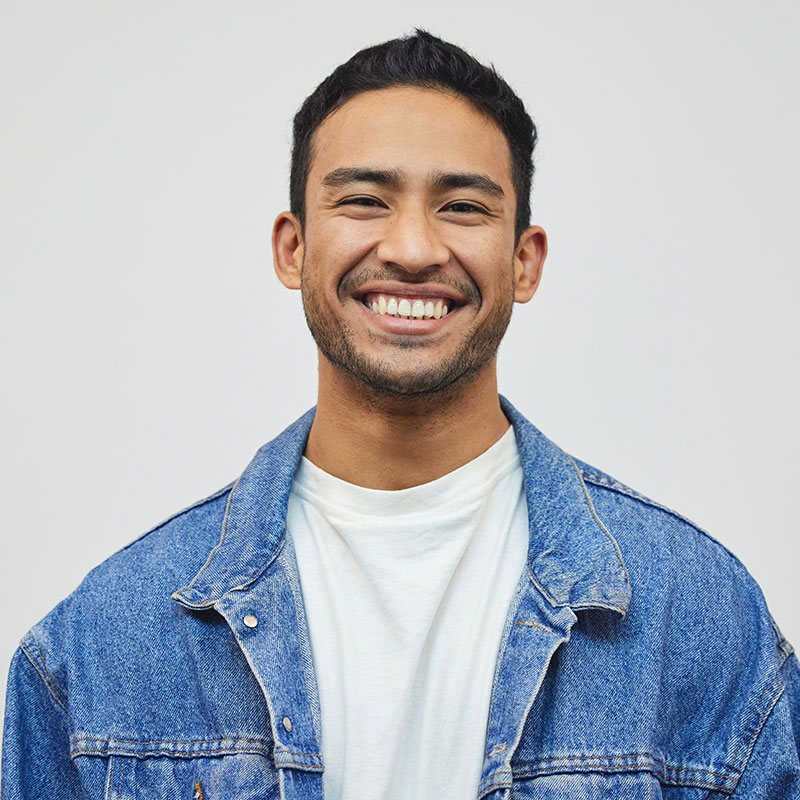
[(335, 340)]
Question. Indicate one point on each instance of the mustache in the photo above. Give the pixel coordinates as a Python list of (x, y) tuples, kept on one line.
[(431, 276)]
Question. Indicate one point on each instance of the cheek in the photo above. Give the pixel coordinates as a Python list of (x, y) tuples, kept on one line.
[(338, 246), (489, 265), (489, 243)]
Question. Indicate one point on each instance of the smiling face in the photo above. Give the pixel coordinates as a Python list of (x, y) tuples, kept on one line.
[(407, 261)]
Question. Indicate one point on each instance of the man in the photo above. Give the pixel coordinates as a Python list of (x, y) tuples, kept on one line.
[(411, 592)]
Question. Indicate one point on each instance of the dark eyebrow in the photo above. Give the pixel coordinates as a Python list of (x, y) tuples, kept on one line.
[(345, 175), (390, 177), (467, 180)]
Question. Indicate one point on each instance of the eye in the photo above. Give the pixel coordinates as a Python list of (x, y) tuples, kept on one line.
[(365, 201), (464, 207)]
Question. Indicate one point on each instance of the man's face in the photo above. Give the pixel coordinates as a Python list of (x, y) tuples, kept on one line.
[(408, 254)]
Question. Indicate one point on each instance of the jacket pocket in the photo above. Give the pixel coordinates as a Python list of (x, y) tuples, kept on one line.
[(602, 786), (242, 776)]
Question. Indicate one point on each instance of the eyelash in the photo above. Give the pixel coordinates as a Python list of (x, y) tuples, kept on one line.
[(372, 202), (470, 206), (367, 202)]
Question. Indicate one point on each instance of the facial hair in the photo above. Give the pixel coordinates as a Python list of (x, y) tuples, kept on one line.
[(336, 340)]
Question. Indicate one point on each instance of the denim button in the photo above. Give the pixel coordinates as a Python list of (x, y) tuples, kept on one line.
[(250, 621), (287, 723)]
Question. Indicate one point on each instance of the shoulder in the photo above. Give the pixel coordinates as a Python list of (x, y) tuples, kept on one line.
[(688, 589), (646, 529), (694, 668), (134, 585), (697, 618), (162, 557), (678, 571)]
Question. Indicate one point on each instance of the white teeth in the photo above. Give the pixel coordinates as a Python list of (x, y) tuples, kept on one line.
[(403, 307)]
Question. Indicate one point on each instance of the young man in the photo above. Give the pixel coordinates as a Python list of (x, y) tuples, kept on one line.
[(411, 592)]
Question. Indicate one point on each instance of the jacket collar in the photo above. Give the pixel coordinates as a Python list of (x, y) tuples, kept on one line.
[(573, 560), (572, 557)]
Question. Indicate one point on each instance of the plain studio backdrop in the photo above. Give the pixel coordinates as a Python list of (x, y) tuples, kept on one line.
[(148, 348)]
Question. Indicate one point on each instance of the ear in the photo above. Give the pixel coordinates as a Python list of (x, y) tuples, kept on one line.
[(529, 257), (287, 249)]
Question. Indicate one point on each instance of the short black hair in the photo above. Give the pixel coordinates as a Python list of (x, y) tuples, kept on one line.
[(428, 62)]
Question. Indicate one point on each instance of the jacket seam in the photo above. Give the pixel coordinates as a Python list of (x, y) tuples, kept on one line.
[(76, 739), (623, 756), (38, 662), (623, 768), (781, 642), (177, 514), (757, 721), (668, 774), (597, 519), (111, 752), (221, 538), (246, 584), (620, 488), (613, 485), (785, 649), (553, 601), (97, 746), (500, 778)]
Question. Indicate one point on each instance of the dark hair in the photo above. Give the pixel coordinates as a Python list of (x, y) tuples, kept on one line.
[(426, 61)]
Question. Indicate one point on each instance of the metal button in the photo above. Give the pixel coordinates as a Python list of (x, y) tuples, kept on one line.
[(250, 621), (287, 723)]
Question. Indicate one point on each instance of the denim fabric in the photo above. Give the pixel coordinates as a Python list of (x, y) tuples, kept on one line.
[(638, 658)]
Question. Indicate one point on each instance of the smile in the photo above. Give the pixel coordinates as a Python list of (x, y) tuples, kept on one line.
[(407, 307)]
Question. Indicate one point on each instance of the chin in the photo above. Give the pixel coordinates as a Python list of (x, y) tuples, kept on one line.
[(440, 381)]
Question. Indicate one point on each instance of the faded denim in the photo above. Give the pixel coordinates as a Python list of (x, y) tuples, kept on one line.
[(639, 660)]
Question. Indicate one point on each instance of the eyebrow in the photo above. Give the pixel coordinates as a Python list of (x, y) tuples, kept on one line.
[(467, 180), (345, 175), (392, 178)]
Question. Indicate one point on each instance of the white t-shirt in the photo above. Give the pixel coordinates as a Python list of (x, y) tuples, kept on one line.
[(406, 595)]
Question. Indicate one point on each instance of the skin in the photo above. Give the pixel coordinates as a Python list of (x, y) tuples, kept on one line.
[(401, 403)]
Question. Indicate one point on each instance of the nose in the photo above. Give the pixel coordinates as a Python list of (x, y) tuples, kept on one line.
[(412, 242)]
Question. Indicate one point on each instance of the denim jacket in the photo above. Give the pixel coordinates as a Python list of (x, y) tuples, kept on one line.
[(638, 660)]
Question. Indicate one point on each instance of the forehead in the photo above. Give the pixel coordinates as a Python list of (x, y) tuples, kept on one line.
[(413, 130)]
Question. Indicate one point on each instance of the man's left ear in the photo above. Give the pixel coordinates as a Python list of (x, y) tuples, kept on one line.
[(529, 257)]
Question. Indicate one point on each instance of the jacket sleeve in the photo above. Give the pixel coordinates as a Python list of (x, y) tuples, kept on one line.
[(773, 769), (36, 762)]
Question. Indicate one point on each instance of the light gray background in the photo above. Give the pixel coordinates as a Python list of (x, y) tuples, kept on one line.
[(148, 348)]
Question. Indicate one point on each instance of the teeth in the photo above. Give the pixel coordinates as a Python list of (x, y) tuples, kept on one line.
[(416, 309)]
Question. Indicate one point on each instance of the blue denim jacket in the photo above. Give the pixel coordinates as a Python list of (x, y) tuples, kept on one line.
[(638, 659)]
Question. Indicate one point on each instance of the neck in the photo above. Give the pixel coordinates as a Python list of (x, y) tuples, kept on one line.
[(392, 443)]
